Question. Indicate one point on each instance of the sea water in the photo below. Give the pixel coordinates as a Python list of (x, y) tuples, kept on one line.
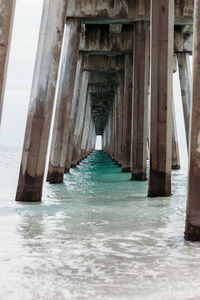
[(96, 236)]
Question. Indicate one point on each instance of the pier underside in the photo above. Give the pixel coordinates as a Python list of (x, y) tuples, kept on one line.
[(117, 60)]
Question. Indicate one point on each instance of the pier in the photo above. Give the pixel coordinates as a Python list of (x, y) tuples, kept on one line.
[(112, 64)]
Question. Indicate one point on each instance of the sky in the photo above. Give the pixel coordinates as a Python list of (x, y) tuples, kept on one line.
[(20, 73)]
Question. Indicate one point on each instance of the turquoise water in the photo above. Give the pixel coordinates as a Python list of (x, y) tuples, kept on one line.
[(97, 236)]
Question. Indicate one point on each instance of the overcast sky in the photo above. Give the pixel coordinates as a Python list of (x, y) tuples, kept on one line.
[(20, 72)]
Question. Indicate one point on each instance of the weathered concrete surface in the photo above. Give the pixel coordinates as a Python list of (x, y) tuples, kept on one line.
[(107, 132), (103, 78), (80, 137), (100, 88), (90, 144), (64, 105), (86, 127), (100, 105), (7, 9), (113, 132), (192, 229), (103, 86), (119, 95), (149, 124), (123, 10), (127, 113), (121, 100), (80, 121), (103, 63), (183, 40), (141, 60), (175, 148), (100, 38), (162, 37), (88, 132), (115, 127), (41, 101), (186, 89), (175, 65), (106, 138), (76, 100)]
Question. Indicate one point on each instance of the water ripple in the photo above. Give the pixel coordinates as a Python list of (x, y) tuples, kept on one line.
[(96, 236)]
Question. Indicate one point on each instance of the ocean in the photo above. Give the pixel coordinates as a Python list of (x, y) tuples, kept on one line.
[(96, 236)]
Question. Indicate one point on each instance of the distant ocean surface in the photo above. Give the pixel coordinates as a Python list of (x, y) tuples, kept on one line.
[(96, 236)]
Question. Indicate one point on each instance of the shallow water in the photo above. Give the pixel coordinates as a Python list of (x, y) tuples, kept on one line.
[(97, 236)]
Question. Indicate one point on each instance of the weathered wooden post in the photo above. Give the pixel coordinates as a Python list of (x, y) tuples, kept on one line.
[(192, 229), (41, 102), (162, 39), (141, 57), (64, 105), (7, 9)]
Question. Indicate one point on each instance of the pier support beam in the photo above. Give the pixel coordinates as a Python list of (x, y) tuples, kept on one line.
[(141, 57), (64, 105), (7, 9), (127, 114), (117, 126), (80, 121), (175, 148), (162, 38), (186, 88), (41, 102), (192, 229), (76, 101), (112, 128), (120, 96), (86, 128)]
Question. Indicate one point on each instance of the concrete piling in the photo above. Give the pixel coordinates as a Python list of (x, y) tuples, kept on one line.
[(41, 102), (127, 113), (162, 38), (175, 148), (141, 57), (7, 10), (80, 121), (186, 88), (64, 105), (75, 103), (192, 228)]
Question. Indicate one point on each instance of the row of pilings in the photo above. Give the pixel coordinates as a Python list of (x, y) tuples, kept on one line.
[(115, 80)]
